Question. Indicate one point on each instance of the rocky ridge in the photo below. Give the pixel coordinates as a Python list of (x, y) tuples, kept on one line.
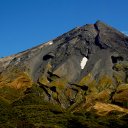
[(84, 70)]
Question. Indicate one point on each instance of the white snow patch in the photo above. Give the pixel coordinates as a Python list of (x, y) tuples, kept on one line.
[(83, 62), (50, 42), (46, 44)]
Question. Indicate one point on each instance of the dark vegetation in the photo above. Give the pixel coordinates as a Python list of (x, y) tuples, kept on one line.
[(31, 111), (47, 116)]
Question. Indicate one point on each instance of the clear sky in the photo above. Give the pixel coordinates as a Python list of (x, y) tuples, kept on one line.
[(27, 23)]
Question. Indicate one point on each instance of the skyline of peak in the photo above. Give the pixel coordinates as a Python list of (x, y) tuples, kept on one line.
[(25, 24)]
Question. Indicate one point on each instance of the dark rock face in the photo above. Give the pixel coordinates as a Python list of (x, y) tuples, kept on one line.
[(81, 66)]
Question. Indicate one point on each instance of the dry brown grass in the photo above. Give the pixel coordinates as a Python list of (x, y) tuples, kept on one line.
[(22, 80), (103, 109), (121, 94), (86, 80), (103, 95)]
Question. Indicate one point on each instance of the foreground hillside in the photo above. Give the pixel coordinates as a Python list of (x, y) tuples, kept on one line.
[(79, 79)]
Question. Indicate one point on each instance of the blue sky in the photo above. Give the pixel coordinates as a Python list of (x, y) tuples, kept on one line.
[(27, 23)]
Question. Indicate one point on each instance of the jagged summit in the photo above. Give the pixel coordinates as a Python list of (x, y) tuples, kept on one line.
[(86, 41), (80, 70), (90, 40)]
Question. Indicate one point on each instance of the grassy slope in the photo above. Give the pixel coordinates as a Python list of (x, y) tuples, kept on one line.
[(32, 112), (28, 110)]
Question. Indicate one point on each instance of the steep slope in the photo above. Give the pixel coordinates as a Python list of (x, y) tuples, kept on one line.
[(78, 71)]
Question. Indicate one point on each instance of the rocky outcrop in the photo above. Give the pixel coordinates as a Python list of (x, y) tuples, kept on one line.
[(80, 69)]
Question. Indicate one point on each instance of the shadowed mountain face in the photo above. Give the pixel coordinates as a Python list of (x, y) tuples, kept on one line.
[(84, 70)]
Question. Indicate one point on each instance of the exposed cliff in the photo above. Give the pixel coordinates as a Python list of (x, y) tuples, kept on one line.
[(84, 70)]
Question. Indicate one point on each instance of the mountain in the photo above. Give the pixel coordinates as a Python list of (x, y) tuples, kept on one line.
[(79, 79)]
